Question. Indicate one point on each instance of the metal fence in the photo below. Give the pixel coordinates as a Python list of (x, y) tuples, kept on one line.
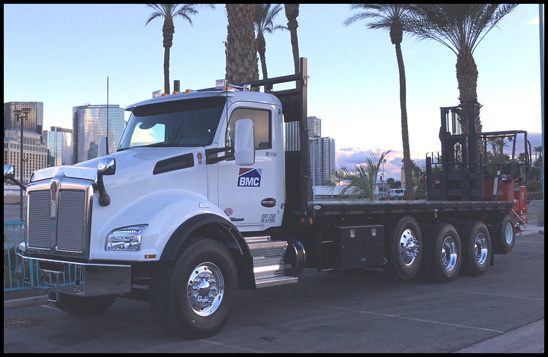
[(14, 233)]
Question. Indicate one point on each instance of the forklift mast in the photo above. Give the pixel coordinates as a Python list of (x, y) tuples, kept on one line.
[(476, 166), (456, 174)]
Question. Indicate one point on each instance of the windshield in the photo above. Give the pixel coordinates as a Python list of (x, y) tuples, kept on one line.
[(180, 123)]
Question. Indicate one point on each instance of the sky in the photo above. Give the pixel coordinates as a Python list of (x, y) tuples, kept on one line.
[(62, 54)]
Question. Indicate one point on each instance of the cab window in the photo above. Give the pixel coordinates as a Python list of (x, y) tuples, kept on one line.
[(261, 127)]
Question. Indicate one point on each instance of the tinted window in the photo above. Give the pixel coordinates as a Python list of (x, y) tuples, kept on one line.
[(261, 127)]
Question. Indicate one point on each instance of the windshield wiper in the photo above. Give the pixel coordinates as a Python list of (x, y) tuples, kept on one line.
[(158, 145), (149, 145)]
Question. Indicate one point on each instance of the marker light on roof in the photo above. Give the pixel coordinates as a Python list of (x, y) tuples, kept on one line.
[(220, 83)]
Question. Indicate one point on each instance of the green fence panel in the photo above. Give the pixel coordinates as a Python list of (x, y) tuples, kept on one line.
[(14, 233)]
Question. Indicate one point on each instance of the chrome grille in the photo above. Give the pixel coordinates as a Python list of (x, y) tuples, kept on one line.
[(70, 232), (39, 220), (58, 221)]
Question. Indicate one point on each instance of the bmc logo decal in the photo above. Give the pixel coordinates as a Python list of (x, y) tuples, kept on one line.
[(249, 178)]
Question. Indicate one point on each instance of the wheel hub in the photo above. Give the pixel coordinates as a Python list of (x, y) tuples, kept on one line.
[(449, 253), (480, 248), (205, 289), (509, 233), (409, 247)]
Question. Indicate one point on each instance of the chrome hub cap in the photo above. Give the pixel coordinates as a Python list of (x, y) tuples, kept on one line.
[(205, 289), (409, 247), (481, 248), (508, 234), (449, 253)]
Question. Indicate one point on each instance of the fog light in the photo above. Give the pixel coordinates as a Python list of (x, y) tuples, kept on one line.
[(125, 238)]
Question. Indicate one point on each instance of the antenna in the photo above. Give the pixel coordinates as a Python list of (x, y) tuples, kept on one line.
[(107, 118)]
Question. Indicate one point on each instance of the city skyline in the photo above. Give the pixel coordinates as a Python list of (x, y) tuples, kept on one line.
[(63, 59)]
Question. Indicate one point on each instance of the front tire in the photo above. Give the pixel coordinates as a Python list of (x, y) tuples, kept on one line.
[(442, 259), (84, 306), (406, 249), (193, 296)]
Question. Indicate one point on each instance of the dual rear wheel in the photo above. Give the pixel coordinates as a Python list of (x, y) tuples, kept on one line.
[(477, 248), (442, 252), (465, 249)]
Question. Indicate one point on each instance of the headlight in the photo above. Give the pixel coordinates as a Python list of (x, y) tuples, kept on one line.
[(125, 238)]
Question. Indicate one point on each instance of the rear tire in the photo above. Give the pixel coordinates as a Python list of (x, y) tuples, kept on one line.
[(406, 249), (476, 248), (505, 236), (442, 258), (193, 296), (84, 306)]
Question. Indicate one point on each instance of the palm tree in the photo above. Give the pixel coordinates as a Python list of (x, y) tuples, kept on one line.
[(264, 17), (537, 150), (241, 54), (168, 12), (500, 143), (390, 17), (461, 28), (292, 12), (360, 183), (493, 142)]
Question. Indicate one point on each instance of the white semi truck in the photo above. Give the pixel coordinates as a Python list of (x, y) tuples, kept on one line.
[(201, 200)]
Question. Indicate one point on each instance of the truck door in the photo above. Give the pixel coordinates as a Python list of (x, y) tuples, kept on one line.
[(253, 196)]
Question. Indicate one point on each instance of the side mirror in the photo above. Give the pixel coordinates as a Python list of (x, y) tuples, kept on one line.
[(9, 171), (244, 148), (106, 166), (9, 174), (103, 146)]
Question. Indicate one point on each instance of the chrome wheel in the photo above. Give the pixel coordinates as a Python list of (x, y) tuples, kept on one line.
[(508, 233), (409, 247), (504, 235), (205, 289), (481, 248), (442, 258), (449, 253)]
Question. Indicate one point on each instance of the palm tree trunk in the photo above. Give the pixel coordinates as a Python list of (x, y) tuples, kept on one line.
[(168, 30), (166, 70), (467, 78), (292, 12), (241, 54), (407, 164), (261, 48)]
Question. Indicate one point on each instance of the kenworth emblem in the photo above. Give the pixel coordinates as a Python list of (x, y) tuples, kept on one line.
[(54, 194), (249, 178)]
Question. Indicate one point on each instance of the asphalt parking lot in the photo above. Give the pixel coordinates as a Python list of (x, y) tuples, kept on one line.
[(325, 312)]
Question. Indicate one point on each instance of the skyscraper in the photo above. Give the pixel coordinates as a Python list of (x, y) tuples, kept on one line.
[(326, 165), (35, 119), (89, 123), (35, 152), (292, 137), (314, 127), (322, 149), (60, 148)]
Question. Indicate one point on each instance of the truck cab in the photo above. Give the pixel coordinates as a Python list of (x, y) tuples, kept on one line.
[(192, 136)]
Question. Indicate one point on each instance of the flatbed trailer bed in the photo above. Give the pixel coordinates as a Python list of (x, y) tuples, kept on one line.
[(347, 234), (334, 207)]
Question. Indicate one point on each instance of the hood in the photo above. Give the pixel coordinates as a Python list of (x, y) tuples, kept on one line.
[(140, 160)]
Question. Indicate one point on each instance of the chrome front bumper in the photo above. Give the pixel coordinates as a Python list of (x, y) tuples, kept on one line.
[(82, 279)]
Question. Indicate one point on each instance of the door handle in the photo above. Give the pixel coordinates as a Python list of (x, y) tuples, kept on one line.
[(268, 202)]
